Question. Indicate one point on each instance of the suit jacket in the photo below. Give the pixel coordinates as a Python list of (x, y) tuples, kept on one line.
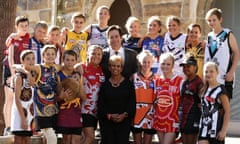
[(130, 63)]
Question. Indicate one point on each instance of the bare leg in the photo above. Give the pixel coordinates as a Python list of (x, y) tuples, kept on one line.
[(66, 139), (138, 138), (76, 139), (88, 134), (147, 139), (190, 138), (7, 107)]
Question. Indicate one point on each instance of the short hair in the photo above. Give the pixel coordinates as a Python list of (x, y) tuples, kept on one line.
[(24, 53), (70, 52), (191, 26), (131, 20), (173, 18), (20, 19), (115, 58), (53, 28), (114, 27), (41, 24), (47, 47), (78, 15), (214, 11)]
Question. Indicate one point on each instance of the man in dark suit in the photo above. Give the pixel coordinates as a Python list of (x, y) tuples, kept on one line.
[(114, 35)]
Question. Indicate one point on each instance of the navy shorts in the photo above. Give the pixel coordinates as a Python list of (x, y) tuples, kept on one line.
[(5, 75), (140, 130), (89, 121)]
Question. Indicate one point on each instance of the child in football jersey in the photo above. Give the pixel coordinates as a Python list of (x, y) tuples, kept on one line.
[(76, 39), (22, 114), (215, 108), (97, 32)]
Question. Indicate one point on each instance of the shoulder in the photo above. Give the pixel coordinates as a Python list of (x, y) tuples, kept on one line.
[(130, 51)]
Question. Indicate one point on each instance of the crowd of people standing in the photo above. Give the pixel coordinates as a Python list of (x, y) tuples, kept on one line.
[(70, 81)]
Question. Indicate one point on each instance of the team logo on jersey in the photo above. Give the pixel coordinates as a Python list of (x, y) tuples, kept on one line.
[(164, 101), (72, 40)]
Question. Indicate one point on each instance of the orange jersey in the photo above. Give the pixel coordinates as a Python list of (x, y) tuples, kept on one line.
[(167, 99), (144, 101)]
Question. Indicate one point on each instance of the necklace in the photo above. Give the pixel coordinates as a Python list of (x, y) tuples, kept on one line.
[(116, 83)]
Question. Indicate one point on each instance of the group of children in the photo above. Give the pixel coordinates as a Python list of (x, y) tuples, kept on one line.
[(52, 80)]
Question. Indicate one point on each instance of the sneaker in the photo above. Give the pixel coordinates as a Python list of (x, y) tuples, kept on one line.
[(178, 140), (7, 131)]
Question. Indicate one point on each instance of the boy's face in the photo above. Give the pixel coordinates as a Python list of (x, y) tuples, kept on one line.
[(69, 62), (40, 33), (22, 28), (49, 56), (76, 77), (29, 60), (77, 24), (54, 36)]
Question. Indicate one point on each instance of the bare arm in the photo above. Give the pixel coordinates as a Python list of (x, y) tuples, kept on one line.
[(11, 58), (87, 29), (234, 57), (226, 118)]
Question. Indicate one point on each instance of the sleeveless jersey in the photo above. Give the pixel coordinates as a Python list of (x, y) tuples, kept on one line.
[(45, 92), (98, 36), (177, 47), (36, 47), (69, 114), (218, 50), (131, 43), (144, 101), (212, 119), (198, 53), (167, 99), (93, 78), (78, 43), (191, 101), (19, 46), (26, 100), (155, 47)]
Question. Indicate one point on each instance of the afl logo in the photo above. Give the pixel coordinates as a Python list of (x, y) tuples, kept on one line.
[(164, 101)]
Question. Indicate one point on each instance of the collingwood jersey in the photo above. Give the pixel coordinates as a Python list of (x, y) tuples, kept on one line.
[(218, 50), (177, 47), (98, 36)]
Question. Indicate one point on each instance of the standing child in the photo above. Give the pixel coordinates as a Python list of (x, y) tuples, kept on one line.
[(215, 108), (76, 39), (97, 32), (15, 47), (45, 94), (22, 114), (144, 88), (69, 116), (131, 40), (154, 42), (93, 78), (190, 101)]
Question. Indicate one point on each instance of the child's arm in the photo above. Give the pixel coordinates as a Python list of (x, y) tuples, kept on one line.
[(82, 90), (11, 57), (17, 87), (226, 118), (87, 29), (10, 38)]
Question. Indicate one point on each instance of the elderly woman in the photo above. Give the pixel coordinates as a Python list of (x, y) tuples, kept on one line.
[(116, 105)]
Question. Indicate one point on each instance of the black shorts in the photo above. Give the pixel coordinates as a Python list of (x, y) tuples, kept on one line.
[(70, 131), (5, 75), (89, 121), (22, 133), (140, 130), (211, 140), (229, 87), (191, 125), (45, 122)]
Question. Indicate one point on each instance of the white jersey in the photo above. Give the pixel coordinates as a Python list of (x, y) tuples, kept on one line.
[(177, 47), (26, 100), (98, 36), (218, 50)]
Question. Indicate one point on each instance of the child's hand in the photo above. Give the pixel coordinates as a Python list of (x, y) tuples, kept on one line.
[(221, 135), (64, 94), (15, 36), (24, 124)]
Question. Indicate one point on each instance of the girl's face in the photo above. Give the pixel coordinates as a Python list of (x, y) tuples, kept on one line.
[(103, 15), (146, 64), (173, 27), (77, 24), (153, 28), (54, 36), (166, 66), (22, 28), (115, 68), (29, 60), (49, 56), (210, 73), (194, 34), (134, 29), (69, 62), (95, 56), (213, 22), (189, 70)]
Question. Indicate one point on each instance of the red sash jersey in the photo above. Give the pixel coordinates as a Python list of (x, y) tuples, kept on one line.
[(167, 99), (19, 45)]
